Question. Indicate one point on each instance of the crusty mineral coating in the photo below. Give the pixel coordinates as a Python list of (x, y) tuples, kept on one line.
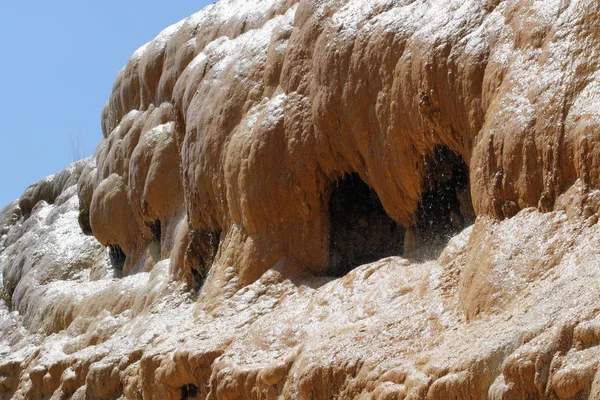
[(510, 86), (49, 188), (235, 123)]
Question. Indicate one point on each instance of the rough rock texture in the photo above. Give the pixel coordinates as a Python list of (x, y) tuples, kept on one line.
[(190, 257)]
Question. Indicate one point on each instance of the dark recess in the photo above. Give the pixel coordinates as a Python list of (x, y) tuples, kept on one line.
[(156, 229), (445, 207), (117, 259), (200, 254), (189, 392), (84, 221), (360, 229)]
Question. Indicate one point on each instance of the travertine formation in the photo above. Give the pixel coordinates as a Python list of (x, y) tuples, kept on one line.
[(324, 199)]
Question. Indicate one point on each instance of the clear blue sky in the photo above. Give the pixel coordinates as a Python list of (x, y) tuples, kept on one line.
[(59, 60)]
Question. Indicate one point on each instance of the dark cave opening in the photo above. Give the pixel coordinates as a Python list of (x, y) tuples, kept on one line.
[(360, 229), (156, 229), (189, 392), (445, 207), (200, 254), (117, 259)]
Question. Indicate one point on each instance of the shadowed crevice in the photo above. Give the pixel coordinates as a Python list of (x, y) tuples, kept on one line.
[(445, 207), (189, 392), (200, 254), (117, 260), (156, 229), (360, 229)]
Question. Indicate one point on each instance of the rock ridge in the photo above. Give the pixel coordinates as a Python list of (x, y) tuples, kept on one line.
[(321, 199)]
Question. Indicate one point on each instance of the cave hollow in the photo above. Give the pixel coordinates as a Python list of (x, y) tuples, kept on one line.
[(189, 392), (445, 207), (155, 227), (117, 259), (360, 229), (200, 255)]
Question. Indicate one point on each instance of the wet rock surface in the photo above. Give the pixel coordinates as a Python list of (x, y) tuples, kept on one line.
[(205, 252)]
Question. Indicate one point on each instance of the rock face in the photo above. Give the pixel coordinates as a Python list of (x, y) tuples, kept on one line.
[(257, 154)]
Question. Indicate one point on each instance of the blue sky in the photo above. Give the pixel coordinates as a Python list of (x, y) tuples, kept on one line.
[(59, 60)]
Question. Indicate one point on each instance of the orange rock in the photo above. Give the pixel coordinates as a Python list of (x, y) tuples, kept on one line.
[(254, 154)]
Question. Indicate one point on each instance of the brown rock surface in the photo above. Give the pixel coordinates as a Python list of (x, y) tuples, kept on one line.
[(254, 154)]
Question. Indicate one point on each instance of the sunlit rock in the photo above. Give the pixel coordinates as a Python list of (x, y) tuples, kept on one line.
[(324, 199)]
